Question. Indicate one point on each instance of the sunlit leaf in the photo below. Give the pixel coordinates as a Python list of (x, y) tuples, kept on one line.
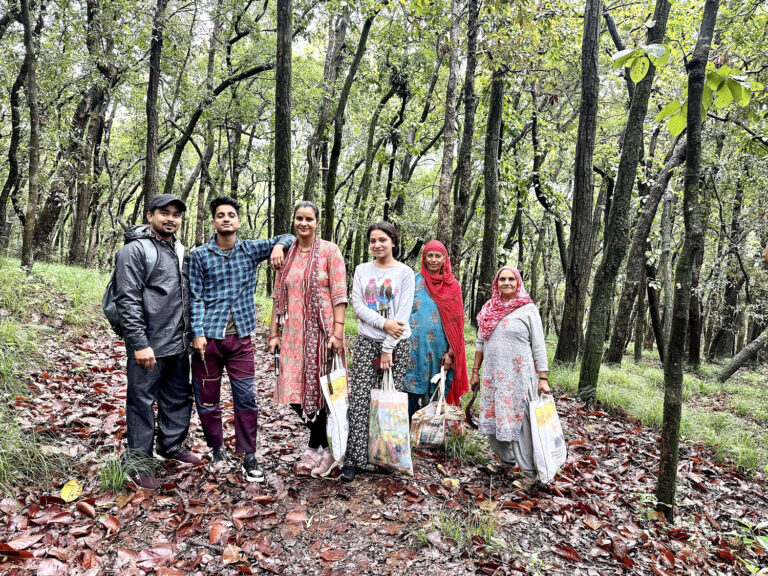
[(639, 69), (723, 96), (71, 490), (622, 56), (668, 110), (677, 124)]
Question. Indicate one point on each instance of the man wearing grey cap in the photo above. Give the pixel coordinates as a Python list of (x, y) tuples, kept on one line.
[(150, 299)]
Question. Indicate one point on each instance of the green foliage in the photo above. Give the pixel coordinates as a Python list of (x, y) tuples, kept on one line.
[(116, 469)]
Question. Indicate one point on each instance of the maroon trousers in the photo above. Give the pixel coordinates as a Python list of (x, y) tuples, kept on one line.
[(234, 354)]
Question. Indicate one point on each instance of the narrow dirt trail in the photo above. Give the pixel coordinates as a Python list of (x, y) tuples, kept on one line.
[(597, 518)]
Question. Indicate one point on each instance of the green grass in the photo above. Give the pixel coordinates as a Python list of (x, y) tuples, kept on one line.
[(730, 418), (29, 305), (116, 469), (469, 447), (460, 527), (22, 460)]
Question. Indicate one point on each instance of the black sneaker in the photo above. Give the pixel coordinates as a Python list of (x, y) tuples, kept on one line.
[(348, 473), (218, 458), (251, 468)]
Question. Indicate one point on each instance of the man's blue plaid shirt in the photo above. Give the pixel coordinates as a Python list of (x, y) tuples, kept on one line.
[(220, 285)]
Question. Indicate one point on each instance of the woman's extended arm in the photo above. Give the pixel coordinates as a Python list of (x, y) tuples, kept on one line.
[(274, 332)]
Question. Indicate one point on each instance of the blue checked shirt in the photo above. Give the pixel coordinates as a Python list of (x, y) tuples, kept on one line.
[(221, 285)]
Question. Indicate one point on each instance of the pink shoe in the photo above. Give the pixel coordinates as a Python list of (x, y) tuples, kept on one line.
[(325, 466), (308, 461)]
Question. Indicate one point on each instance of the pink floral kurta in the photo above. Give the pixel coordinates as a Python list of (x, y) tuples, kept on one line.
[(512, 357), (332, 276)]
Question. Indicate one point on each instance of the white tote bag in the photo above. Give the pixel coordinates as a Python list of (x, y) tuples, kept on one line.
[(549, 450), (389, 439), (431, 424), (335, 391)]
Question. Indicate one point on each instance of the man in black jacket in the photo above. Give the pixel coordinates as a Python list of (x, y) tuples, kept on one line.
[(151, 299)]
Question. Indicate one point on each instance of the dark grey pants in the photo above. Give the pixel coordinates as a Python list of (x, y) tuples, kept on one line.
[(167, 385)]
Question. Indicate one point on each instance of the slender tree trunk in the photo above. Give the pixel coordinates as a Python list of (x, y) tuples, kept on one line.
[(30, 62), (579, 253), (149, 186), (338, 129), (667, 222), (617, 225), (464, 168), (491, 178), (449, 123), (636, 260), (746, 354), (12, 180), (673, 365), (282, 214), (336, 35), (640, 318)]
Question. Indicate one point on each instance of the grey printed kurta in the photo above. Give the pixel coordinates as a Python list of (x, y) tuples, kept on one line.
[(513, 356)]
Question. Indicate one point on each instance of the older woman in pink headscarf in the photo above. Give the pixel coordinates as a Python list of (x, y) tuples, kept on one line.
[(511, 351)]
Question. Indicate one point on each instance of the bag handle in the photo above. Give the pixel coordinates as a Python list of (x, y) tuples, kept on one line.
[(387, 381), (439, 379)]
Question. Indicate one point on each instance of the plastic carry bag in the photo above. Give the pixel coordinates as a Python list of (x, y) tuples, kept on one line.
[(431, 424), (549, 450), (389, 439), (336, 391)]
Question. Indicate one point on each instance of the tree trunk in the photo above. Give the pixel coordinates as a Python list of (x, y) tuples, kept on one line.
[(724, 341), (636, 260), (464, 168), (449, 124), (12, 180), (579, 253), (749, 352), (489, 248), (30, 62), (640, 318), (617, 225), (149, 186), (390, 174), (282, 213), (693, 244), (667, 223), (332, 58), (338, 128), (84, 184)]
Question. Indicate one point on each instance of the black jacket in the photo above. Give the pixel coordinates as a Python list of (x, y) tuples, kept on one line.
[(152, 313)]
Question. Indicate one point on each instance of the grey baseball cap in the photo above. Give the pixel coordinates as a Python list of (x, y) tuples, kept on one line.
[(162, 200)]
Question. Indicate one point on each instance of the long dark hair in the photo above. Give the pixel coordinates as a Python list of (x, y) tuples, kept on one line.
[(389, 229), (307, 204)]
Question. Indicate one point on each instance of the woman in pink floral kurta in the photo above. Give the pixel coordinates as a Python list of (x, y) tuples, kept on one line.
[(510, 348), (310, 299)]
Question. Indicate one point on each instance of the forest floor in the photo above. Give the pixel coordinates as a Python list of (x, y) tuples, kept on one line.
[(453, 517)]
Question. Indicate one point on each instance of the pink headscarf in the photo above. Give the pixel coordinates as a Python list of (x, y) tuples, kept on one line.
[(496, 308)]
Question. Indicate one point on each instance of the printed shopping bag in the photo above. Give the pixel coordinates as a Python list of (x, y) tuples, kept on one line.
[(431, 424), (549, 450), (335, 391), (389, 440)]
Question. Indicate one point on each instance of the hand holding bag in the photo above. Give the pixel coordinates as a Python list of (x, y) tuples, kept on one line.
[(549, 450), (336, 391), (389, 440), (430, 424)]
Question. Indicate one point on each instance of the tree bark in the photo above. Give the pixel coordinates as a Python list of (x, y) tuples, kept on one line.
[(30, 62), (12, 180), (617, 225), (579, 252), (336, 37), (149, 185), (746, 354), (491, 179), (464, 168), (282, 214), (640, 318), (636, 260), (693, 244), (449, 123)]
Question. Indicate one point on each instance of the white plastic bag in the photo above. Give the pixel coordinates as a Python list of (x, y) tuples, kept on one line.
[(430, 424), (335, 391), (549, 450), (389, 439)]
